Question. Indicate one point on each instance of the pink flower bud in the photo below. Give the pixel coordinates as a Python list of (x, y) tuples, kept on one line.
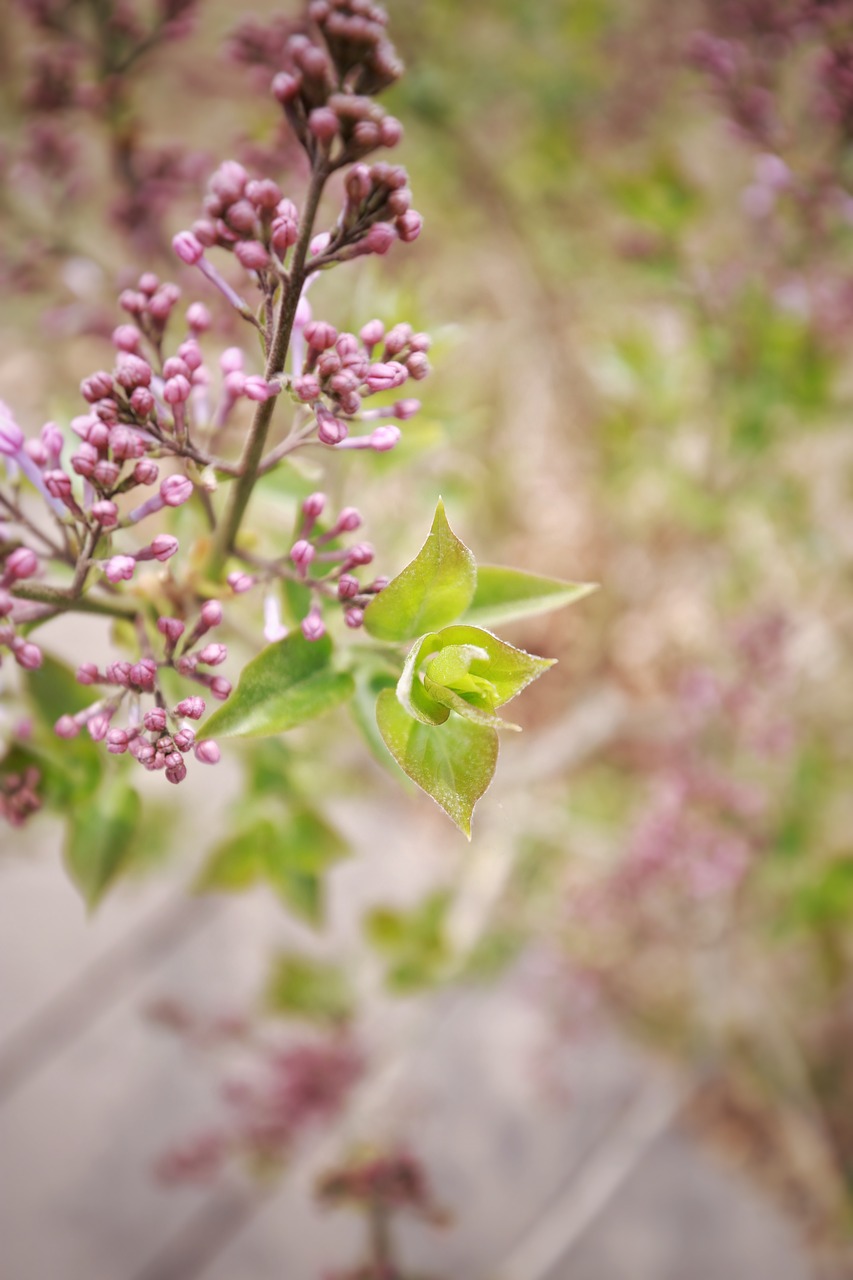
[(348, 586), (263, 193), (142, 401), (207, 752), (405, 409), (191, 355), (119, 568), (390, 131), (354, 616), (229, 181), (252, 255), (171, 628), (314, 505), (106, 473), (417, 365), (176, 490), (384, 377), (132, 372), (155, 720), (331, 430), (87, 673), (177, 391), (148, 283), (213, 654), (231, 360), (98, 435), (235, 384), (105, 513), (397, 339), (146, 471), (409, 226), (302, 553), (184, 739), (174, 366), (372, 333), (66, 727), (127, 338), (117, 741), (313, 626), (361, 553), (7, 602), (257, 388), (177, 773), (307, 388), (11, 435), (192, 708), (198, 317), (242, 217), (366, 135), (27, 655), (118, 673), (58, 484), (324, 124), (96, 387), (285, 87), (379, 238), (188, 247), (384, 438), (98, 725), (220, 688), (21, 563), (320, 335), (163, 547), (35, 449), (211, 614), (240, 582), (144, 674)]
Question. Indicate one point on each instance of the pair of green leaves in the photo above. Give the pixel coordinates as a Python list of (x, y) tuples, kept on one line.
[(440, 724)]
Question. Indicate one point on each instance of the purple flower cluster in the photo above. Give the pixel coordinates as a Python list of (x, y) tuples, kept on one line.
[(158, 738)]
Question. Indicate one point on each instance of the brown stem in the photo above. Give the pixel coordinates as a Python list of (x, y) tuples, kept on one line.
[(65, 602), (253, 452)]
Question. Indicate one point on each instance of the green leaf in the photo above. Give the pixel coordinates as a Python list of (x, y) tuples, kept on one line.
[(99, 840), (291, 854), (453, 762), (71, 767), (434, 589), (505, 594), (299, 987), (288, 683), (414, 942), (508, 670)]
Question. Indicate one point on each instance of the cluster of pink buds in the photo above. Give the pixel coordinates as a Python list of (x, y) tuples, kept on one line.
[(17, 563), (328, 569), (158, 738), (249, 217), (18, 796), (341, 370)]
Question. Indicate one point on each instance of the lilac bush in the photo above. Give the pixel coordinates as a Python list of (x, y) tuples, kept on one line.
[(141, 509)]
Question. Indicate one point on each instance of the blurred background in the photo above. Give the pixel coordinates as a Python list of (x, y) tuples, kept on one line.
[(615, 1035)]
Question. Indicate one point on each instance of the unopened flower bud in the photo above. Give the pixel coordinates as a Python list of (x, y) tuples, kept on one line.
[(207, 752), (27, 655), (213, 654), (177, 773), (192, 708), (324, 124), (21, 563), (314, 505), (198, 317), (285, 87), (379, 238), (176, 490), (348, 586), (171, 628), (372, 333), (409, 226), (117, 741), (320, 335), (155, 720), (302, 553), (66, 727), (354, 616), (184, 739), (331, 430), (119, 568), (220, 688), (127, 338), (240, 582), (307, 388), (132, 372), (87, 673), (313, 626), (105, 513), (252, 255), (98, 725), (142, 401), (384, 438), (106, 473), (96, 387), (146, 471), (188, 247), (257, 388), (177, 391), (417, 365)]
